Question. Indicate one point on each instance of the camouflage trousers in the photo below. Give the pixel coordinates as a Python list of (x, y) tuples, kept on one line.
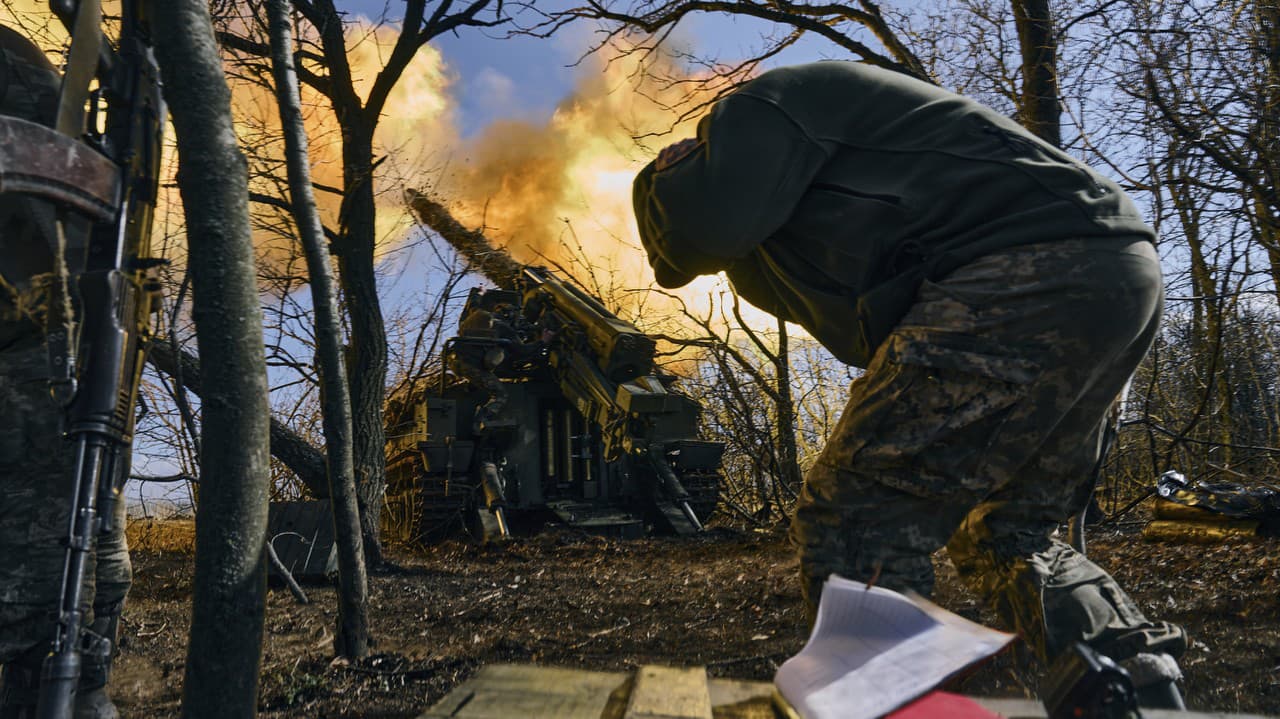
[(976, 427), (36, 466)]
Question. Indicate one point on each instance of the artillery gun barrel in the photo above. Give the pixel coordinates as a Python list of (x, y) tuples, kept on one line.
[(491, 261), (621, 350)]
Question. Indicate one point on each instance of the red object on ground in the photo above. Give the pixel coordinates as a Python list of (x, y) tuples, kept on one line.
[(943, 705)]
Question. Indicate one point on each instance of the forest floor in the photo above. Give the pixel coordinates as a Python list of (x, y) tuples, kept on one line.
[(727, 600)]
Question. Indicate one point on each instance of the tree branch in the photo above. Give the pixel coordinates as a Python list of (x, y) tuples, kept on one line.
[(287, 446)]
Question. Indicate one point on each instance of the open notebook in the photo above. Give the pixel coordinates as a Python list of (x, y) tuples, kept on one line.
[(873, 650)]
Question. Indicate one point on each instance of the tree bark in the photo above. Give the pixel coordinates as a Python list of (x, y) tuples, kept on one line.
[(357, 235), (287, 446), (788, 452), (367, 374), (352, 637), (1039, 110), (225, 647)]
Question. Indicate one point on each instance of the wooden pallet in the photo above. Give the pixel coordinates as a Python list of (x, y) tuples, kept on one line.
[(518, 691), (505, 691)]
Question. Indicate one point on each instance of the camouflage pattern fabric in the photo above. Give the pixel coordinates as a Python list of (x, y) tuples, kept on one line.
[(36, 465), (976, 427), (29, 92)]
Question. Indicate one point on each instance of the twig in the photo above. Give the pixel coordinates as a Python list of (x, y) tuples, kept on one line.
[(476, 603), (163, 627), (289, 581), (408, 673), (596, 635)]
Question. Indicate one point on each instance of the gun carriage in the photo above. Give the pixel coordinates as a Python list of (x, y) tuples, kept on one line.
[(590, 431)]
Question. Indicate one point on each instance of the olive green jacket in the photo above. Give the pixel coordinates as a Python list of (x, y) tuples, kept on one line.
[(828, 191)]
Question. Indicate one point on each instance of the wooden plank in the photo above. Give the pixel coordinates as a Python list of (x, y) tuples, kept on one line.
[(511, 691), (737, 699), (669, 693), (506, 691)]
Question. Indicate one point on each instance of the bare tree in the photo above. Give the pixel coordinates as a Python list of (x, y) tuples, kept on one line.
[(745, 379), (839, 23), (352, 638), (1194, 131), (325, 67), (1212, 77), (1040, 104), (225, 647)]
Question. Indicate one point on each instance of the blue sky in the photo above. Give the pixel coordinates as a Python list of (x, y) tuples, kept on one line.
[(525, 78)]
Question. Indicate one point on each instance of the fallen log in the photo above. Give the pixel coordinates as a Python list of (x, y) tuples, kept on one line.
[(1199, 532)]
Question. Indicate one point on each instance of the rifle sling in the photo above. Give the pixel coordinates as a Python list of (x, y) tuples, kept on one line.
[(36, 160), (82, 65)]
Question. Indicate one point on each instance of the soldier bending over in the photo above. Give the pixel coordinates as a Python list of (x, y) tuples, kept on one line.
[(999, 294)]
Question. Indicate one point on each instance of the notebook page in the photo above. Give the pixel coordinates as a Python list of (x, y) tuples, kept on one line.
[(873, 650)]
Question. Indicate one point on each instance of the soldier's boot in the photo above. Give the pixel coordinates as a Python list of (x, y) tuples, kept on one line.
[(92, 701), (1154, 679)]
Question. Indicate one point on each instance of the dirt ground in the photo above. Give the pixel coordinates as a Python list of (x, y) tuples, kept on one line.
[(727, 600)]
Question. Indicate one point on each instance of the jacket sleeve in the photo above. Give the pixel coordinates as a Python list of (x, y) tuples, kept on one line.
[(740, 185)]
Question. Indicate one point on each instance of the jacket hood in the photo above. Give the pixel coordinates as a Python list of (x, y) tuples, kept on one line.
[(670, 272)]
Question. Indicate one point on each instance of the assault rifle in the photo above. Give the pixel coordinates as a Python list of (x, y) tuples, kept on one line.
[(100, 163)]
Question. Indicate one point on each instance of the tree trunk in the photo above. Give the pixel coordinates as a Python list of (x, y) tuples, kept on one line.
[(225, 646), (788, 453), (1039, 109), (1268, 14), (367, 371), (352, 638)]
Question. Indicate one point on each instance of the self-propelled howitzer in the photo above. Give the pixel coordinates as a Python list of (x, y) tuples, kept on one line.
[(547, 401)]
